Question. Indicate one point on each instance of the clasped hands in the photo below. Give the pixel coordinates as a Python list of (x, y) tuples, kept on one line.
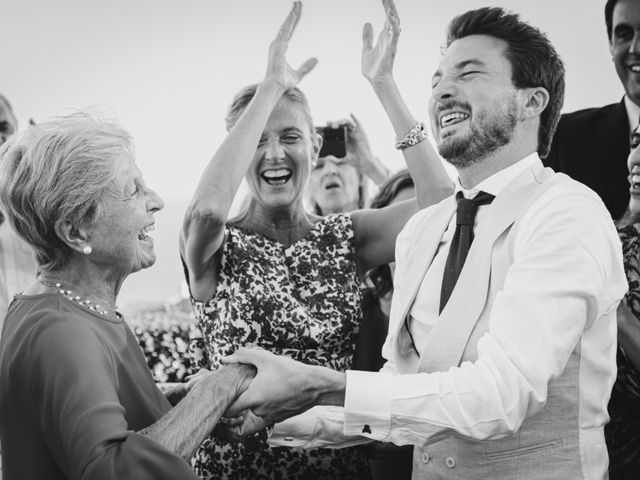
[(281, 388)]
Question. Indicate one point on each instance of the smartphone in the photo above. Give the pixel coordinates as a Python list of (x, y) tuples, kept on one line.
[(334, 141)]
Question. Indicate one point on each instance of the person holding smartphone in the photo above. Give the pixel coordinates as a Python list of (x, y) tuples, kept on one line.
[(340, 177)]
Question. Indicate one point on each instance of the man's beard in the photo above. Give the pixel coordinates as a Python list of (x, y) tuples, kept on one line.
[(486, 135)]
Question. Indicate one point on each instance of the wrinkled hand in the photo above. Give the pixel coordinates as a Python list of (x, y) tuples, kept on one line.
[(240, 427), (241, 376), (279, 389), (377, 61), (278, 70), (178, 392)]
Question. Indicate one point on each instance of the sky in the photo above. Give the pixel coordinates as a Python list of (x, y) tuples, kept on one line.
[(167, 71)]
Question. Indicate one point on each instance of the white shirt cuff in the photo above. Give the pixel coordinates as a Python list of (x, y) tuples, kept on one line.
[(367, 405)]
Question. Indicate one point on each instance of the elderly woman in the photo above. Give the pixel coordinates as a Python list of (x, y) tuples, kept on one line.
[(281, 277), (76, 397)]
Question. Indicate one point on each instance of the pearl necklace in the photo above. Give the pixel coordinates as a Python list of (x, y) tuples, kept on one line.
[(68, 294)]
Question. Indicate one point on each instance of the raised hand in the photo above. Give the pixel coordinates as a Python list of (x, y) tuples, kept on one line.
[(377, 61), (278, 70)]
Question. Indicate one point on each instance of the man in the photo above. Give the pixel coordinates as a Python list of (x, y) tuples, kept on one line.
[(17, 261), (592, 145), (507, 374)]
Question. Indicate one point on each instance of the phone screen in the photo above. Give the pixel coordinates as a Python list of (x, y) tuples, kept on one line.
[(334, 141)]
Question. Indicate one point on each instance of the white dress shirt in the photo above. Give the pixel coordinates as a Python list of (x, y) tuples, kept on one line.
[(633, 113), (426, 307), (566, 274)]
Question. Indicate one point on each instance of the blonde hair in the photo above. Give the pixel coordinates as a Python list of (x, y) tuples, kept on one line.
[(244, 97), (60, 170)]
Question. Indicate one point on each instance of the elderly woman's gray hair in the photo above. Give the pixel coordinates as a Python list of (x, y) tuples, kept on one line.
[(60, 170)]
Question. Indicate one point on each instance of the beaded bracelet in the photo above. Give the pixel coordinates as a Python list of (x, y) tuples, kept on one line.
[(416, 135)]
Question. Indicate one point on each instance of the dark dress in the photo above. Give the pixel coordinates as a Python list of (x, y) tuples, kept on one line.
[(302, 301), (623, 431), (74, 390)]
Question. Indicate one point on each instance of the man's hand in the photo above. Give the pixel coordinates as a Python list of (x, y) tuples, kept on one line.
[(283, 387)]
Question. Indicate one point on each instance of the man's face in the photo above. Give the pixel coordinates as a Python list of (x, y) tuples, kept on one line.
[(473, 106), (624, 46), (8, 122)]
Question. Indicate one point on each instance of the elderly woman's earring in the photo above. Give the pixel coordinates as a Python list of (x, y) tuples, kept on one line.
[(87, 250)]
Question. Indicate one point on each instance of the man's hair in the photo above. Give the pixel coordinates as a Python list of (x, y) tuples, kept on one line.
[(608, 16), (534, 61)]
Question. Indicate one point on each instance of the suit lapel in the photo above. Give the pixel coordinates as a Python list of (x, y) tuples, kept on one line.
[(449, 336), (426, 245)]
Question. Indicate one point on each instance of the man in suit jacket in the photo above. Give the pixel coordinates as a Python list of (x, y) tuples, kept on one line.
[(509, 378), (592, 145)]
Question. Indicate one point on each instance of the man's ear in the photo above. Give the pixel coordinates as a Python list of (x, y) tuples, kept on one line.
[(76, 238), (535, 101)]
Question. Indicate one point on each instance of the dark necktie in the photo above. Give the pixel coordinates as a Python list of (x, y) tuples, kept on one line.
[(461, 241), (634, 139)]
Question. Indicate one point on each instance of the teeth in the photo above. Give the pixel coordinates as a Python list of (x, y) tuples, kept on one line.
[(634, 68), (144, 233), (277, 177), (452, 118), (283, 172)]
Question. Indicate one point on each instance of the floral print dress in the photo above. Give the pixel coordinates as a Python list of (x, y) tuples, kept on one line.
[(301, 300)]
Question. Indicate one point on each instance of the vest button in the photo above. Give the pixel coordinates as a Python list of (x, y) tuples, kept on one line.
[(450, 462), (425, 457)]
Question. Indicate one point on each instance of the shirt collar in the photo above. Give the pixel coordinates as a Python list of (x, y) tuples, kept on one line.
[(633, 113), (499, 180)]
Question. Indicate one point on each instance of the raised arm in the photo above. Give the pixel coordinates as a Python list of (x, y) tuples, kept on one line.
[(376, 230), (203, 226), (431, 179)]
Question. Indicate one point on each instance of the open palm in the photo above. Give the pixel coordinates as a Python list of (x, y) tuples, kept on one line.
[(278, 69), (377, 61)]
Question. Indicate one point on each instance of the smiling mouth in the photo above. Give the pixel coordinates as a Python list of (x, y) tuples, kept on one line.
[(452, 119), (331, 185), (277, 177), (634, 67), (143, 235)]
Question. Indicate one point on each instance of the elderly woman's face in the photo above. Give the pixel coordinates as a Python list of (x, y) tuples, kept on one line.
[(334, 185), (282, 160), (120, 236)]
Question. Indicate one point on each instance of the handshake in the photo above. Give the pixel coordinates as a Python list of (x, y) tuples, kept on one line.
[(271, 388)]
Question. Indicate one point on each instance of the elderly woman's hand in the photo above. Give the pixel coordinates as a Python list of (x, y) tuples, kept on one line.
[(278, 70), (238, 428), (377, 61)]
